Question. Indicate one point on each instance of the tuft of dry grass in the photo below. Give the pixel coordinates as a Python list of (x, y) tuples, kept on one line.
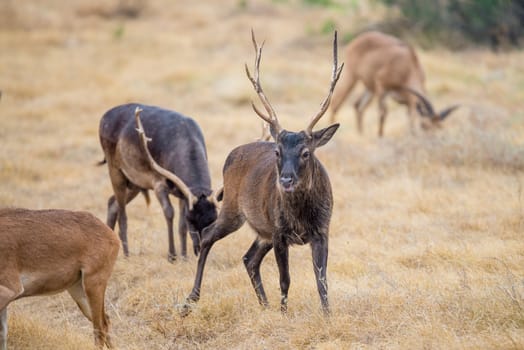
[(426, 247)]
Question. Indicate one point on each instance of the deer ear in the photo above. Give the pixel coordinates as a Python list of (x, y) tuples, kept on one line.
[(321, 137)]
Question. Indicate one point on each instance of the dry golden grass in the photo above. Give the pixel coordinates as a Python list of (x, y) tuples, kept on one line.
[(426, 247)]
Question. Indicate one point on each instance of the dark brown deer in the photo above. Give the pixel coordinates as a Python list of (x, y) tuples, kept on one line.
[(282, 190), (180, 169), (386, 66), (49, 251)]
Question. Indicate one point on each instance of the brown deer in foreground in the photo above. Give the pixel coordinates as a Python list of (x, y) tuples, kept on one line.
[(180, 169), (282, 190), (386, 66), (48, 251)]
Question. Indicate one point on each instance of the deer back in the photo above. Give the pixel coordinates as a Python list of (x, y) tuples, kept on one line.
[(36, 243), (177, 145), (375, 55)]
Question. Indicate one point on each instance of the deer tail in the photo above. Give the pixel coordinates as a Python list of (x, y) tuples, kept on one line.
[(145, 193)]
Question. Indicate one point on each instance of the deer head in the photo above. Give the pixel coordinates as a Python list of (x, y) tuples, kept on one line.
[(431, 119), (294, 150)]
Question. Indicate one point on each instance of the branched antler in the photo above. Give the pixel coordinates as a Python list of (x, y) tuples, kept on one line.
[(182, 187), (272, 119), (334, 78)]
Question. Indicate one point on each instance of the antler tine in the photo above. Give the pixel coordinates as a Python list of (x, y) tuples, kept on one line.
[(425, 102), (272, 118), (164, 172), (334, 78), (260, 114)]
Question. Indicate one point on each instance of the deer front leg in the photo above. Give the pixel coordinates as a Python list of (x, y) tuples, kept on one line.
[(381, 93), (182, 228), (252, 261), (319, 249), (282, 256), (216, 231), (412, 108)]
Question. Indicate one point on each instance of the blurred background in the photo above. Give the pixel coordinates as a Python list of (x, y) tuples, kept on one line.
[(426, 238)]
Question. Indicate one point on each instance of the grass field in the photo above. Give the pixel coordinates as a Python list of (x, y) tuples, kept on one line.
[(426, 239)]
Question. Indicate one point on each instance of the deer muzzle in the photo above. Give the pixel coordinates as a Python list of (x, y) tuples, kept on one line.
[(287, 183)]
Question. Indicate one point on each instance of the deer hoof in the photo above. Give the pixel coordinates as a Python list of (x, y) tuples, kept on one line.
[(185, 309), (171, 258), (326, 312)]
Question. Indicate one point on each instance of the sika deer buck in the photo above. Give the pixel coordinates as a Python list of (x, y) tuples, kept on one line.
[(386, 66), (48, 251), (282, 190), (174, 163)]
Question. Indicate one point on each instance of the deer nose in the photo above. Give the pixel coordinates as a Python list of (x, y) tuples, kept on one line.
[(286, 181)]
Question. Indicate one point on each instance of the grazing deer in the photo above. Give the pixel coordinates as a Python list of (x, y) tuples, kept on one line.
[(48, 251), (180, 169), (282, 190), (386, 66)]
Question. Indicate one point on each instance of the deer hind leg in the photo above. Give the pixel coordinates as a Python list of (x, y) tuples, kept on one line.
[(112, 205), (78, 294), (252, 260), (124, 193), (360, 106), (8, 293), (340, 94), (162, 193), (94, 287), (227, 222), (131, 192)]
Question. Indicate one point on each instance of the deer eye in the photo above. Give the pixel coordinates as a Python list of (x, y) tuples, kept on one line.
[(277, 153), (305, 154)]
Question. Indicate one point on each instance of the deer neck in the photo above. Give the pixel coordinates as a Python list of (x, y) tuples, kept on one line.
[(309, 197)]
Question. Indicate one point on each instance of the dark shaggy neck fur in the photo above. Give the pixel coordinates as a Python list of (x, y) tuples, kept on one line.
[(306, 211)]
